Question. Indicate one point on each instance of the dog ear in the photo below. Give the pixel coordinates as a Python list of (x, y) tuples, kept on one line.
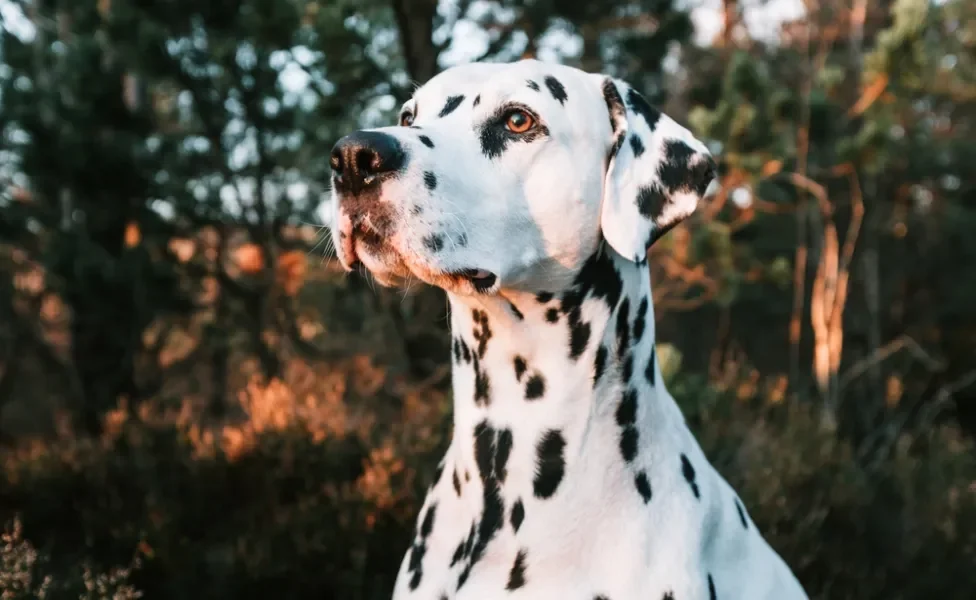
[(657, 172)]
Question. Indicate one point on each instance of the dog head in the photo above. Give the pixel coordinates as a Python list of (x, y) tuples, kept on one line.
[(509, 176)]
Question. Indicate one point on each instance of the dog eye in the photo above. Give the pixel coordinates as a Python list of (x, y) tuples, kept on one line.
[(406, 119), (519, 121)]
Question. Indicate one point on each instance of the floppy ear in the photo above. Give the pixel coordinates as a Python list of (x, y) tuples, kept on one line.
[(657, 174)]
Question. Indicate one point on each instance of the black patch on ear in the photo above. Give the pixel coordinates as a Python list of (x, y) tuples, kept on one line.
[(650, 373), (552, 315), (599, 363), (430, 180), (477, 100), (452, 103), (640, 321), (434, 242), (520, 367), (650, 202), (639, 105), (532, 85), (711, 588), (636, 145), (689, 474), (556, 89), (535, 387), (516, 577), (626, 418), (426, 141), (543, 297), (742, 514), (643, 486), (550, 464), (518, 515), (616, 108)]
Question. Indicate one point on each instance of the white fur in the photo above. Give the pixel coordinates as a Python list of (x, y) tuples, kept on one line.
[(533, 216)]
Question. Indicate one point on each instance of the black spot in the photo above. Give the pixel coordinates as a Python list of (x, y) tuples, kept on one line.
[(742, 514), (457, 483), (627, 370), (492, 450), (465, 352), (628, 443), (516, 577), (477, 100), (711, 588), (643, 486), (599, 277), (462, 240), (515, 311), (636, 145), (599, 363), (430, 180), (650, 201), (623, 327), (556, 89), (550, 464), (627, 409), (579, 335), (668, 596), (639, 105), (416, 209), (434, 243), (457, 350), (482, 385), (520, 367), (600, 597), (676, 171), (535, 387), (458, 553), (533, 85), (452, 103), (482, 331), (650, 373), (419, 548), (552, 315), (426, 141), (428, 523), (640, 320), (518, 515), (543, 297), (689, 473)]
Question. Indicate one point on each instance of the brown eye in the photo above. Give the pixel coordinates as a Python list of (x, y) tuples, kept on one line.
[(519, 121), (406, 120)]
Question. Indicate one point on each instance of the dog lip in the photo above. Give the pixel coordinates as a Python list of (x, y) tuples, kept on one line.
[(481, 279)]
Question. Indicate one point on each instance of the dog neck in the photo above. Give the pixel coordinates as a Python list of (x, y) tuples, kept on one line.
[(548, 383)]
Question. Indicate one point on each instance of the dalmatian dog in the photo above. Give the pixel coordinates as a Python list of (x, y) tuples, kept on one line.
[(530, 192)]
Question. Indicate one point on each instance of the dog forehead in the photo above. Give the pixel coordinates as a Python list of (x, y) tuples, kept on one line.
[(494, 82)]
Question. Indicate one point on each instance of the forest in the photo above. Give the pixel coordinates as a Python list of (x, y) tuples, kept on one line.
[(197, 402)]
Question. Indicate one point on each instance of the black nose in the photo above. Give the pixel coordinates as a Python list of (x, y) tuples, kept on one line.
[(359, 159)]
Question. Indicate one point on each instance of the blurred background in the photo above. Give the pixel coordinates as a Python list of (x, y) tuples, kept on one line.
[(196, 403)]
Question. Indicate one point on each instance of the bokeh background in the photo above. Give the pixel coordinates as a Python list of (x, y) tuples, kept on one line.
[(195, 403)]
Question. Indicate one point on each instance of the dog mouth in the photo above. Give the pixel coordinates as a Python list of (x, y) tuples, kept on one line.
[(366, 247)]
